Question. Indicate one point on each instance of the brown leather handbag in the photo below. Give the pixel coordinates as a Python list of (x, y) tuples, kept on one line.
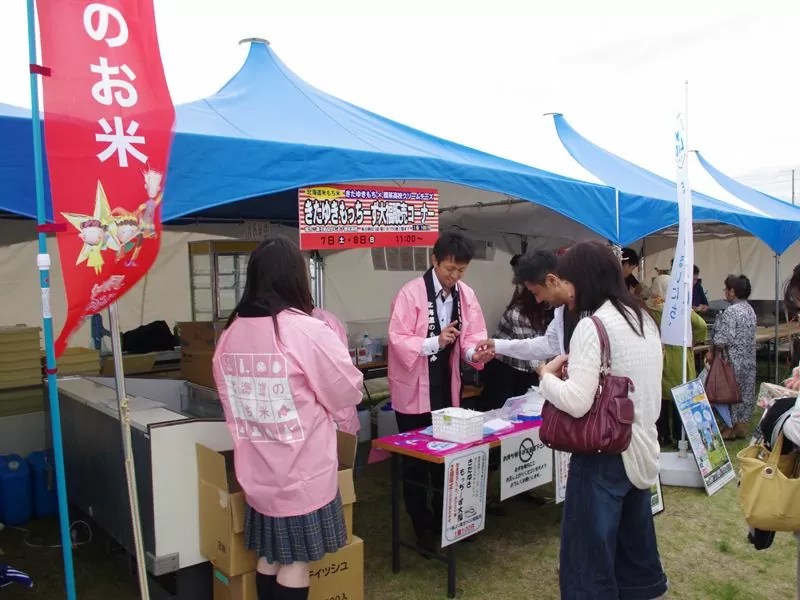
[(607, 426), (721, 386)]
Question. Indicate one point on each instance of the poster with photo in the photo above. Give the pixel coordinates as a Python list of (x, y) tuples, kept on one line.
[(656, 497), (704, 436)]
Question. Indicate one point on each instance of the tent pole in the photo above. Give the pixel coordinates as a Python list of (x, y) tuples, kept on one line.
[(43, 264), (127, 447), (777, 310)]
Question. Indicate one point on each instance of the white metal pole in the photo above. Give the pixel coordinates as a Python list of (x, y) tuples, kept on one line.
[(127, 446)]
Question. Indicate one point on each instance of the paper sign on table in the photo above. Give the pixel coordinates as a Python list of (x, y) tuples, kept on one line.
[(526, 463), (465, 476)]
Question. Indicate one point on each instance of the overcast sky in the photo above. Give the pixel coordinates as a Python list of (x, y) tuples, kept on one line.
[(482, 72)]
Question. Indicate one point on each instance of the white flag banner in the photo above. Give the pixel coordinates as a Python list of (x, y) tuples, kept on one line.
[(676, 326)]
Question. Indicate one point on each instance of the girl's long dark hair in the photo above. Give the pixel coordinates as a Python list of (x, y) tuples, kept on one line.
[(536, 312), (596, 273), (277, 280)]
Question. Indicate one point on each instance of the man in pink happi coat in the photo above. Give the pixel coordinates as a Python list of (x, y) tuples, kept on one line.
[(435, 323)]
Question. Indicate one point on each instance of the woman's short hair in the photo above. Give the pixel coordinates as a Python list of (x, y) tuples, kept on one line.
[(740, 285)]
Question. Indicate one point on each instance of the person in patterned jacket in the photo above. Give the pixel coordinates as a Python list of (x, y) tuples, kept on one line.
[(506, 377)]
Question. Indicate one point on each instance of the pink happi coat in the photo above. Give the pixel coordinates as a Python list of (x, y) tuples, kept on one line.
[(333, 322), (353, 424), (409, 384), (283, 399)]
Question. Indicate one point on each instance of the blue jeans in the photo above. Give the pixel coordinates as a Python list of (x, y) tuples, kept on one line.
[(608, 542)]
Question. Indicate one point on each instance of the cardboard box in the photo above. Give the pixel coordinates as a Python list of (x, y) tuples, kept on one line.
[(222, 513), (347, 445), (339, 575), (198, 339), (78, 361), (197, 368), (336, 576), (223, 508), (241, 587)]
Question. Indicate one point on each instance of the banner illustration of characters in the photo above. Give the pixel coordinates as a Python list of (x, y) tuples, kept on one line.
[(108, 131)]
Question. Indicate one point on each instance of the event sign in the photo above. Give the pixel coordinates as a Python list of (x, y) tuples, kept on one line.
[(464, 511), (562, 471), (108, 129), (336, 217), (704, 435), (526, 463), (676, 325)]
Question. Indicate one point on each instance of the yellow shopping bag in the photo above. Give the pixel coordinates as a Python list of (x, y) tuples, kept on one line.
[(769, 490)]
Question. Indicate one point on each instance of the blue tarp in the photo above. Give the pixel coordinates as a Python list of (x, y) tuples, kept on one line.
[(774, 227), (244, 151)]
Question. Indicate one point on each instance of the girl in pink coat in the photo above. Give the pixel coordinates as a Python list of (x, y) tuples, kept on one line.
[(286, 382)]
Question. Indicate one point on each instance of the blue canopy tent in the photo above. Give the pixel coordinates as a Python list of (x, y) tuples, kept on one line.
[(777, 229), (243, 152), (268, 132), (18, 195), (775, 206), (777, 225)]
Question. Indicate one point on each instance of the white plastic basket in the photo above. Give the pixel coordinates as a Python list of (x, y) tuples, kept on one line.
[(460, 425)]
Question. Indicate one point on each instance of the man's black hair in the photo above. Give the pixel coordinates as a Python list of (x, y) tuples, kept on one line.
[(533, 267), (454, 245)]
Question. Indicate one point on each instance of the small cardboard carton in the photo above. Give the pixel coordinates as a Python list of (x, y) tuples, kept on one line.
[(339, 575), (240, 587), (223, 508)]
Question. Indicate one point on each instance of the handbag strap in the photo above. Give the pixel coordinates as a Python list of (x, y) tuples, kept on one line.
[(775, 455), (605, 346)]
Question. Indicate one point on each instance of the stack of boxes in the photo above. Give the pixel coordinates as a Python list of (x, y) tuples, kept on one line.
[(222, 515), (78, 361), (198, 339), (20, 349)]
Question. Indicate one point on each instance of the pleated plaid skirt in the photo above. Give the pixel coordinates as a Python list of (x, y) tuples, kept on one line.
[(302, 538)]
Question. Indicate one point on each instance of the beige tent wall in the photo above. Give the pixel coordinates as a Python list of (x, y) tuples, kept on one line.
[(163, 295), (718, 258)]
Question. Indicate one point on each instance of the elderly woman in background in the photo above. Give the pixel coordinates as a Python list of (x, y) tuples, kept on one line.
[(673, 362), (735, 335)]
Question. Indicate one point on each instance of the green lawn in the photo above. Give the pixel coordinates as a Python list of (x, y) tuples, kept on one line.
[(702, 543)]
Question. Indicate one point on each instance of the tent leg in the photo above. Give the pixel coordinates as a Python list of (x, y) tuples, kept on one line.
[(777, 311)]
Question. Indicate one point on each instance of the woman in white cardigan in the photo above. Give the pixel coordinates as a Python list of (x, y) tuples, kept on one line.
[(608, 541)]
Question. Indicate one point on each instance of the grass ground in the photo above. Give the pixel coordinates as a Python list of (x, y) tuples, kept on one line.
[(702, 543)]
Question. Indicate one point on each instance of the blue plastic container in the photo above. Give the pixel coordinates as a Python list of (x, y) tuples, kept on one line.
[(16, 491), (43, 472)]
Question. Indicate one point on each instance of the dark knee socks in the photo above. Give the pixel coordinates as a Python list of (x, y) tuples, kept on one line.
[(265, 586), (288, 593)]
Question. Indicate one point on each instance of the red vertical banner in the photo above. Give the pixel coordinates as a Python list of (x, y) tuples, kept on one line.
[(108, 120)]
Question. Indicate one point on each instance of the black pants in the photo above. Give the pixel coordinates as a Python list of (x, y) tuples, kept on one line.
[(501, 381), (417, 476), (669, 422)]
